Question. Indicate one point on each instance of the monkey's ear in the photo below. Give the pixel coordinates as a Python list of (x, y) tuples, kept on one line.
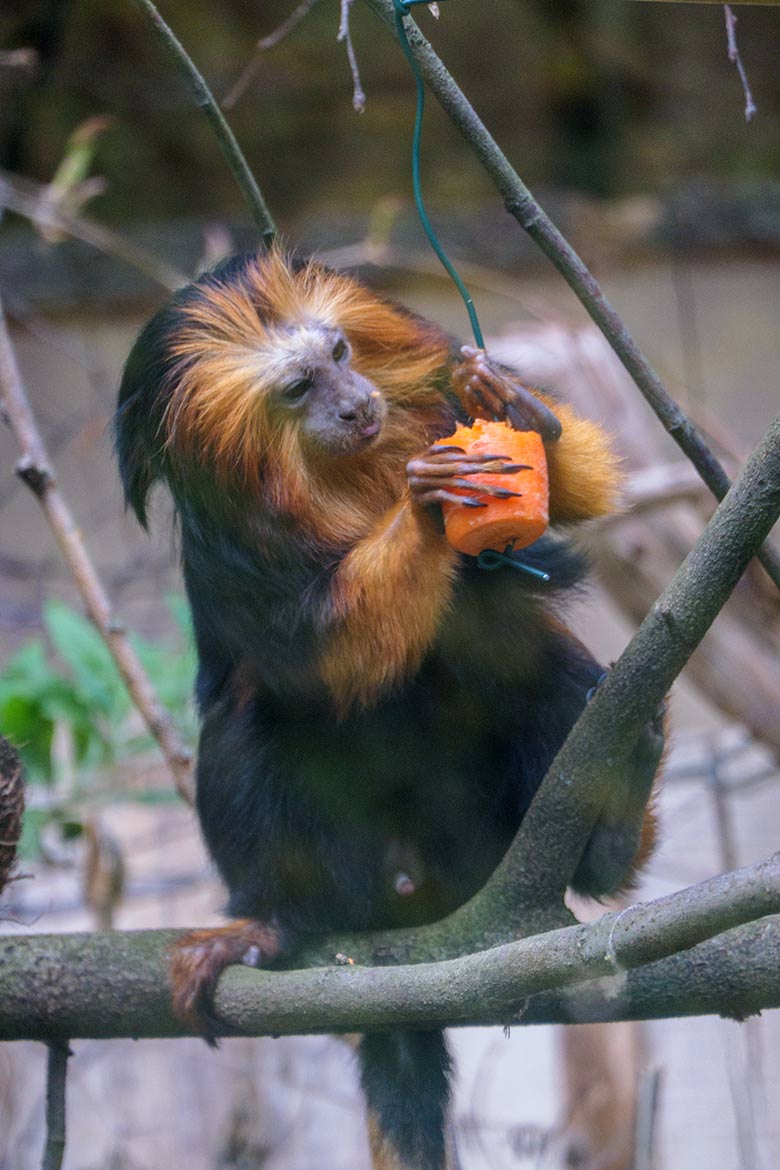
[(140, 410)]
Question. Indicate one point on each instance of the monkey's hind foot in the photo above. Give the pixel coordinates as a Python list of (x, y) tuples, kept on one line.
[(198, 959), (488, 392)]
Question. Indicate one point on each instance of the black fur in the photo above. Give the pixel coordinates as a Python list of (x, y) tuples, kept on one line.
[(405, 1078)]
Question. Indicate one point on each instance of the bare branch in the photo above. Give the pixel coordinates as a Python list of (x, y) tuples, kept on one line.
[(734, 56), (521, 204), (55, 985), (358, 95), (205, 101), (35, 471), (30, 201), (274, 38)]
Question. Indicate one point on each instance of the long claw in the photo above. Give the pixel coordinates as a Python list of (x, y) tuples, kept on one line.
[(487, 489), (442, 496)]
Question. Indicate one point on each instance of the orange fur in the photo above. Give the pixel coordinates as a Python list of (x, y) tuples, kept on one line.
[(231, 349), (390, 593), (584, 472)]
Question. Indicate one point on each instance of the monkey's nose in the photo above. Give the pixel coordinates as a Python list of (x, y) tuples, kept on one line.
[(357, 412)]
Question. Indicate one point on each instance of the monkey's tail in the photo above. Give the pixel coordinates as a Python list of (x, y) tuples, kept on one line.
[(406, 1081)]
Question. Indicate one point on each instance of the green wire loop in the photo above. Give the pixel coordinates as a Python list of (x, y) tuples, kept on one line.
[(402, 10)]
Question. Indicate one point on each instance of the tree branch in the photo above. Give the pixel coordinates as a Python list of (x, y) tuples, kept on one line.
[(529, 214), (110, 985), (35, 471), (554, 831), (28, 199), (205, 101), (279, 33)]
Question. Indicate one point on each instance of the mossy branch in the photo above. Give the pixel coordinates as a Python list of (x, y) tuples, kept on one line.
[(114, 984)]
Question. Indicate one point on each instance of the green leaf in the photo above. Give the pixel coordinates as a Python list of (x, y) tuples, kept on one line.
[(82, 649)]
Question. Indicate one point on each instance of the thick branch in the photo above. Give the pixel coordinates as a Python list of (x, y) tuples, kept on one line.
[(553, 834), (529, 214), (109, 985), (35, 470), (205, 101)]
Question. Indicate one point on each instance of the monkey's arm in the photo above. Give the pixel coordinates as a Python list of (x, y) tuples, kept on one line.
[(388, 596), (390, 592), (584, 471)]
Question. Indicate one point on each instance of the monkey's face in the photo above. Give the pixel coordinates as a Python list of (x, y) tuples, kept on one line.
[(335, 410)]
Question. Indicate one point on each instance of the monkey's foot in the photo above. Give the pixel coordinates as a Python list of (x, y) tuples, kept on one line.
[(435, 474), (198, 959), (487, 392)]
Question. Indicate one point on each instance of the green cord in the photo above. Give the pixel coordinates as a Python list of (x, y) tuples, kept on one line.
[(401, 10)]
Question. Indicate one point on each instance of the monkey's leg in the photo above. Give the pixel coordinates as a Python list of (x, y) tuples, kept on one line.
[(292, 867), (625, 833)]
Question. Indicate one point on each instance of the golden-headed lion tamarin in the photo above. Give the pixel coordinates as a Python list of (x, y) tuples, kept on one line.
[(377, 712)]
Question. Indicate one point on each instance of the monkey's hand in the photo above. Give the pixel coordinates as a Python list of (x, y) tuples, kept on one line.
[(488, 392), (198, 959), (440, 474)]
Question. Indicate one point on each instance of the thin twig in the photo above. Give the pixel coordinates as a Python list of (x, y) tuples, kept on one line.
[(751, 108), (56, 1078), (35, 470), (205, 101), (521, 204), (358, 94), (283, 30)]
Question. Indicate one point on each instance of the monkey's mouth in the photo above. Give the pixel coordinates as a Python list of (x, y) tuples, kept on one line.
[(363, 434)]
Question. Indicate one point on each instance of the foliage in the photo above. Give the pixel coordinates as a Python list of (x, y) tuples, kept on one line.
[(64, 705)]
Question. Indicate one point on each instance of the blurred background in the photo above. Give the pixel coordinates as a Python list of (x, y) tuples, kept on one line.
[(627, 121)]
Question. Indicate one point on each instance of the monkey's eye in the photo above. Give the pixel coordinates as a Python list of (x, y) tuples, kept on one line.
[(298, 390), (339, 350)]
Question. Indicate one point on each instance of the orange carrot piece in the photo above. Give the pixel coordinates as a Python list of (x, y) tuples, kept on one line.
[(520, 519)]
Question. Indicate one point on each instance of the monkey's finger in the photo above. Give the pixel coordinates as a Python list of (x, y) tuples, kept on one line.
[(505, 397), (422, 468), (489, 469), (541, 418), (488, 489), (442, 496)]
